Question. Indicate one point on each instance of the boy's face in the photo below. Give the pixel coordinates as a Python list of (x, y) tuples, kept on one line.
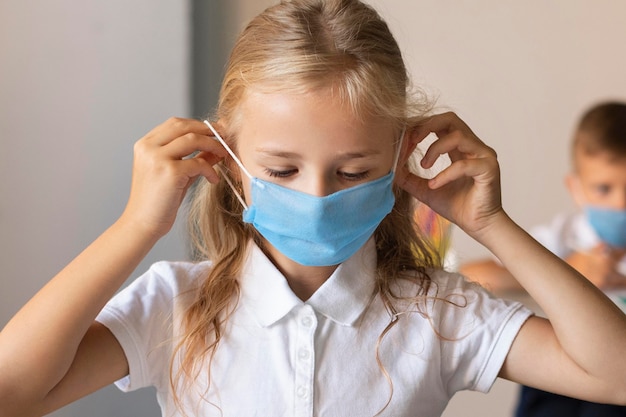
[(600, 180)]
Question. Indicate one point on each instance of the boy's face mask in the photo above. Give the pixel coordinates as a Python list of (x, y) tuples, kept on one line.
[(609, 224), (312, 230), (607, 220)]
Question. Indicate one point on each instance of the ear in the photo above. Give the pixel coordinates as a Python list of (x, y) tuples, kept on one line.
[(409, 143), (572, 182)]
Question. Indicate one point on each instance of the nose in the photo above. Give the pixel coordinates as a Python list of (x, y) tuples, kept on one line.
[(320, 185)]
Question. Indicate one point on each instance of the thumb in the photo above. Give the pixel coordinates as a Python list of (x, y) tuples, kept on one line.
[(413, 184)]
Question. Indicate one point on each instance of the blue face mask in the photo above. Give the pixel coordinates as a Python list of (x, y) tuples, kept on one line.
[(609, 225), (311, 230)]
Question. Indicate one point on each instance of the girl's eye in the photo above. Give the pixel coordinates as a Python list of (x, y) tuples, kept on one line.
[(280, 174), (358, 176)]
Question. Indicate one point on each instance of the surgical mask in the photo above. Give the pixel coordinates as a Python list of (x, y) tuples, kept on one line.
[(609, 225), (312, 230)]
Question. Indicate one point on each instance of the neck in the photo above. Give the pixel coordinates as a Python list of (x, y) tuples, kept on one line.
[(303, 280)]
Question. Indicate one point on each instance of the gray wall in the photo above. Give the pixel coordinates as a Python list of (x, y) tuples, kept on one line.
[(80, 82)]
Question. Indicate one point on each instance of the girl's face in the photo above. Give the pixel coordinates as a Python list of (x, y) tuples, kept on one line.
[(311, 143)]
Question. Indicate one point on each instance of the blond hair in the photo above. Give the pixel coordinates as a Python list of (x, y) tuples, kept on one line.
[(295, 47)]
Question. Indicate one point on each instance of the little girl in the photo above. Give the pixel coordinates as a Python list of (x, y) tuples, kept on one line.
[(312, 293)]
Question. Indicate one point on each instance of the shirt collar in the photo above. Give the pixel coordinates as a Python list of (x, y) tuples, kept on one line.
[(342, 298)]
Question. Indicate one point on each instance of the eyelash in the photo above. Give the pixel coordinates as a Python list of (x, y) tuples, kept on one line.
[(279, 174), (359, 176)]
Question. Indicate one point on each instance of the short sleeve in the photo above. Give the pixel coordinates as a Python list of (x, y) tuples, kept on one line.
[(477, 331), (142, 319)]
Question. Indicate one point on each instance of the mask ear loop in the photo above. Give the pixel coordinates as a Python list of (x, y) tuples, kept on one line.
[(218, 137), (397, 157)]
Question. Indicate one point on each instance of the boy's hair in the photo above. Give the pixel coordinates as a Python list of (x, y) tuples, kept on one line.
[(602, 130), (295, 47)]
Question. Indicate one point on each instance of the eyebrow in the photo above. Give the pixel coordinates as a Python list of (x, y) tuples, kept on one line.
[(285, 154), (277, 152)]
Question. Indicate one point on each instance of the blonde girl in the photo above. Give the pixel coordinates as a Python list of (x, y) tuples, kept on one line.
[(311, 293)]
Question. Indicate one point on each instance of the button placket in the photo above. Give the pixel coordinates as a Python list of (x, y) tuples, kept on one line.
[(305, 361)]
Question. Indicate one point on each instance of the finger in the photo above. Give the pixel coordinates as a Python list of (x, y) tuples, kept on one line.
[(409, 143), (441, 124), (210, 157), (457, 145), (173, 128), (190, 143), (411, 183), (616, 254), (198, 166), (418, 133), (455, 138), (479, 170)]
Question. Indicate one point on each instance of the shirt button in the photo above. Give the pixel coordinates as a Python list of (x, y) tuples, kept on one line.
[(306, 321), (304, 354), (302, 392)]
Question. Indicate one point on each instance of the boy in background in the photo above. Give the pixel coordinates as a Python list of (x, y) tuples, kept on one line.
[(593, 240)]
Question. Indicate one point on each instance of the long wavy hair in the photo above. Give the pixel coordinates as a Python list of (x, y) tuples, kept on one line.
[(295, 47)]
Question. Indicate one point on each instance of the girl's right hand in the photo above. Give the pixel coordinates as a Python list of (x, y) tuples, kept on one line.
[(73, 355), (167, 160)]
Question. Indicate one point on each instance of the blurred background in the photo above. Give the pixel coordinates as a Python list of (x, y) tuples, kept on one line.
[(81, 81)]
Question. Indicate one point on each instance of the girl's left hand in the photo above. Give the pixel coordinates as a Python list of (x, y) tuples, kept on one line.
[(468, 191)]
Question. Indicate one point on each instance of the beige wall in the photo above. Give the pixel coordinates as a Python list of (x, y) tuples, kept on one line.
[(519, 73)]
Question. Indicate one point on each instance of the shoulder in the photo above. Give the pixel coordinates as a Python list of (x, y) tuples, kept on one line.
[(466, 312), (162, 287), (144, 317), (446, 283), (451, 294), (471, 330), (460, 307), (180, 269), (176, 276)]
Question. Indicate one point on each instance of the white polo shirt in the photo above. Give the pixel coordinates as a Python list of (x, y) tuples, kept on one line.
[(568, 233), (280, 356)]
